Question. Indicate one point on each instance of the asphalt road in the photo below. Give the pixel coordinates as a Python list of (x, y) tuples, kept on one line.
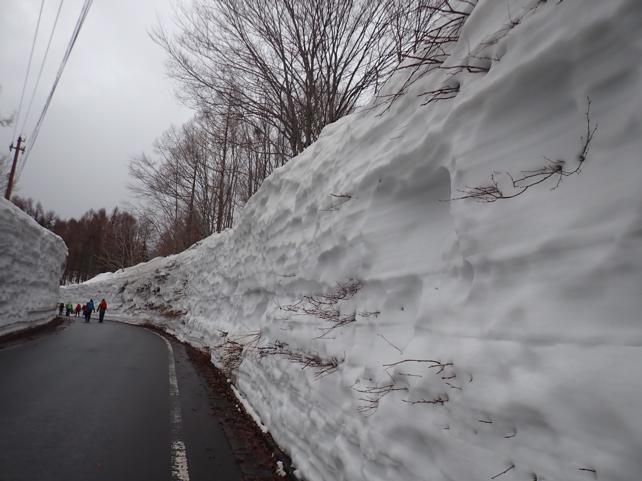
[(98, 402)]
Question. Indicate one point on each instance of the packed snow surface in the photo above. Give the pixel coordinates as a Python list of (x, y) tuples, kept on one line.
[(476, 340), (31, 263)]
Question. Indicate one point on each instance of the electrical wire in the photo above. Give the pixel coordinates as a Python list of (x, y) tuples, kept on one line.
[(24, 84), (42, 66), (72, 41)]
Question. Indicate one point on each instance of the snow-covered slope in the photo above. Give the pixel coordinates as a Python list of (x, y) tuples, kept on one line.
[(477, 338), (31, 262)]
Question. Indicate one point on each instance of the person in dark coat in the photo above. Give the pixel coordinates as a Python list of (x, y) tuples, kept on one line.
[(61, 306), (90, 308), (102, 307)]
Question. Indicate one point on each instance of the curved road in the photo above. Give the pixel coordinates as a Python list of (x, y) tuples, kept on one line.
[(99, 402)]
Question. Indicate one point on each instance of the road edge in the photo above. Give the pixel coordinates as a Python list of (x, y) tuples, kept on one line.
[(217, 379)]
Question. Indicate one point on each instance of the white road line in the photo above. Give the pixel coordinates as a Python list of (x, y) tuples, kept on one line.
[(180, 471)]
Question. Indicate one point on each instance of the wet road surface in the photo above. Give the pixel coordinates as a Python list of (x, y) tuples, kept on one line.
[(97, 402)]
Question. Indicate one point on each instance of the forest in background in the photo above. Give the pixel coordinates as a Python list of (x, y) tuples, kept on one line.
[(97, 241)]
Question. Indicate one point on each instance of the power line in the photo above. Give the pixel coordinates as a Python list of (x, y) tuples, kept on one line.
[(72, 41), (24, 84), (42, 66)]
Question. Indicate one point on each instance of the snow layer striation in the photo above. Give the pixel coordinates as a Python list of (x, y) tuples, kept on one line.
[(31, 262), (478, 340)]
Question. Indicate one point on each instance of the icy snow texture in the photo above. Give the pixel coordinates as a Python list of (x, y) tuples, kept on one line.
[(31, 262), (535, 300)]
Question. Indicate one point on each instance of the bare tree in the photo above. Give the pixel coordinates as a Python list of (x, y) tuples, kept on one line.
[(265, 77), (125, 241), (296, 66), (171, 186)]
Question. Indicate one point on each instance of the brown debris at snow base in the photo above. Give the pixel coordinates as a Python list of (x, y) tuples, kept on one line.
[(256, 452)]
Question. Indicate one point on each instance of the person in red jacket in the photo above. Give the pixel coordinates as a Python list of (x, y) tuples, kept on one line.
[(102, 307), (77, 310)]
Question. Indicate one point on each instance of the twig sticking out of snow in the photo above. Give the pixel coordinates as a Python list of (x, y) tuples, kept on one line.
[(555, 169), (589, 470), (433, 364), (327, 306), (234, 347), (373, 394), (445, 24), (321, 366), (441, 399), (444, 93), (512, 466), (390, 343)]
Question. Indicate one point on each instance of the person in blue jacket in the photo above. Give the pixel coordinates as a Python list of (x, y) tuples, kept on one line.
[(89, 310)]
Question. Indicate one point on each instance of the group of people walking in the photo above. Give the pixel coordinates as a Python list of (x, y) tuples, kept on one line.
[(86, 309)]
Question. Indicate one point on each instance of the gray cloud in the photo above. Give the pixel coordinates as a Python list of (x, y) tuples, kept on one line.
[(113, 100)]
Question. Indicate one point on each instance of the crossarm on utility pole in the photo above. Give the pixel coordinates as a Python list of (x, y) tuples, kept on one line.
[(18, 148)]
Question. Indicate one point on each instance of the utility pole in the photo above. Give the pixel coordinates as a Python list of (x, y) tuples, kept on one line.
[(19, 148)]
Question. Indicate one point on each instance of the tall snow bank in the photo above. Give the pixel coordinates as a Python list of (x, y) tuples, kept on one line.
[(478, 338), (31, 263)]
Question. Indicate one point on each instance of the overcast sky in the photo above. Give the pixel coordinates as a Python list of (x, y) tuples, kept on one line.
[(113, 100)]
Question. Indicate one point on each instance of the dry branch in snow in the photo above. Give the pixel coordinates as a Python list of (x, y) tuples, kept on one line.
[(443, 93), (327, 306), (553, 169), (441, 399), (321, 366), (373, 394), (440, 366), (512, 466), (445, 20), (233, 349)]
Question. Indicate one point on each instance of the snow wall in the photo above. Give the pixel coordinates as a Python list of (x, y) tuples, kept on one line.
[(518, 320), (31, 264)]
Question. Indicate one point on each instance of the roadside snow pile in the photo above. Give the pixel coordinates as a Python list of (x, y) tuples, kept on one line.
[(383, 333), (31, 262)]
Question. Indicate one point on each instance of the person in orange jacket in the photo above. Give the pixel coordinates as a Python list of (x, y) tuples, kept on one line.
[(102, 307)]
